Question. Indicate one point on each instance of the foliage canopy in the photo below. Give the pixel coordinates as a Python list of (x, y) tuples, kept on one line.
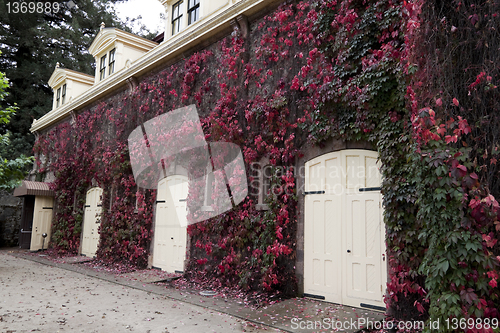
[(11, 171), (32, 44)]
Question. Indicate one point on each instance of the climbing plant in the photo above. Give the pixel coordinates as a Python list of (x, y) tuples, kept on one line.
[(307, 72)]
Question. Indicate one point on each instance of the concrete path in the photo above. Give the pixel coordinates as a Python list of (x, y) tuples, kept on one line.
[(38, 294)]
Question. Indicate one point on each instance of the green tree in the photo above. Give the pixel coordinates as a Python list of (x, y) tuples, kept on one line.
[(32, 43), (11, 171)]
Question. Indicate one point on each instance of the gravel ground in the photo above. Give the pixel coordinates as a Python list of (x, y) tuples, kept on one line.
[(40, 298)]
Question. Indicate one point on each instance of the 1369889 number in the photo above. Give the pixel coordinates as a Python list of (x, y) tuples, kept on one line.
[(471, 323), (23, 7)]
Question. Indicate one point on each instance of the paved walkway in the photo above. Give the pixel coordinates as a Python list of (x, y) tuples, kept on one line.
[(293, 315)]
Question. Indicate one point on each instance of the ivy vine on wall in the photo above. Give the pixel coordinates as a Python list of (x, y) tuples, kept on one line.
[(310, 71)]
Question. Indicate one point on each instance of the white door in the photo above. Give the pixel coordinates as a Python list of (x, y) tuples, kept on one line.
[(344, 235), (366, 272), (170, 235), (42, 219), (322, 239), (91, 222)]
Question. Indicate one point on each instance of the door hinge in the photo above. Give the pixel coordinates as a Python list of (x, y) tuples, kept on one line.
[(313, 192), (369, 189), (314, 296)]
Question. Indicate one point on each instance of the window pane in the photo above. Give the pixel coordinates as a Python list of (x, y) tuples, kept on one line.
[(176, 17), (175, 27), (209, 190), (111, 61), (103, 67), (193, 11), (176, 12), (267, 173), (63, 94), (103, 62), (255, 187)]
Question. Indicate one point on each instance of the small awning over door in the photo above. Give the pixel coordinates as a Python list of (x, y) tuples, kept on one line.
[(33, 188)]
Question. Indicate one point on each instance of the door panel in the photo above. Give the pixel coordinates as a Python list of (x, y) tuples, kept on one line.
[(170, 237), (372, 174), (354, 171), (42, 218), (91, 222), (364, 249), (344, 235), (322, 241)]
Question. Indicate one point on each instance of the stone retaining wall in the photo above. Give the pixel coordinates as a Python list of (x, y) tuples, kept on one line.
[(10, 219)]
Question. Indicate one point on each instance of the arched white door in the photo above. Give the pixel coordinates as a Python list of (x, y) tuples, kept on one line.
[(170, 234), (91, 222), (344, 233)]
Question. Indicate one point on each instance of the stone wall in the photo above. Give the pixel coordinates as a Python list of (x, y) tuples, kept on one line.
[(10, 219)]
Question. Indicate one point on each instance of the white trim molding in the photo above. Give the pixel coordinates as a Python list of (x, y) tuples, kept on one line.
[(171, 48), (106, 38), (61, 74)]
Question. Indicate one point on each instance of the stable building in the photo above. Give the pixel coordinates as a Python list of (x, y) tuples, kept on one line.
[(340, 234)]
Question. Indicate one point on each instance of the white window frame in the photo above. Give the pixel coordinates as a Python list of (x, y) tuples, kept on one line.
[(195, 8), (207, 199), (111, 61), (58, 97), (263, 182), (137, 191), (63, 94), (102, 68), (176, 21), (183, 13)]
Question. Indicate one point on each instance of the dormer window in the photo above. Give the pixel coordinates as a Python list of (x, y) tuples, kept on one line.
[(179, 9), (193, 11), (63, 95), (67, 84), (115, 50), (58, 98), (111, 64), (177, 17), (102, 69)]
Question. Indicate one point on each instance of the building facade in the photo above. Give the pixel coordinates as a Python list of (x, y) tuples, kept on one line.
[(311, 221)]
